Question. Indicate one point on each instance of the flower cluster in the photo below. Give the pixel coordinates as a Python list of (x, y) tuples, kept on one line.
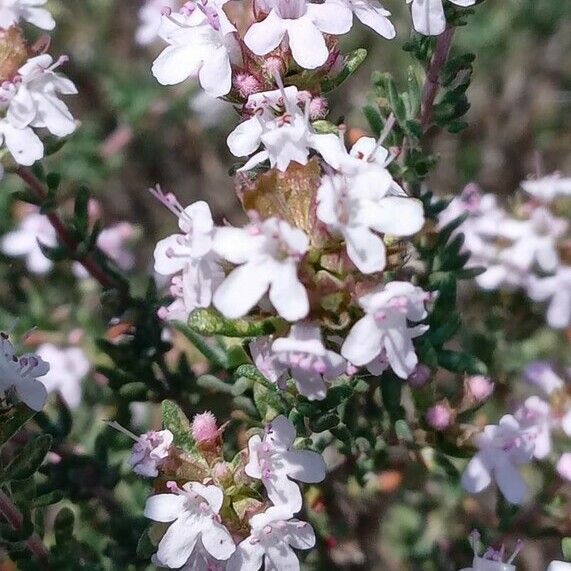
[(520, 249), (30, 86), (523, 436), (220, 519)]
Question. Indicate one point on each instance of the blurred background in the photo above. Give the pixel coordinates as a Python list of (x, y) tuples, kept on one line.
[(135, 133)]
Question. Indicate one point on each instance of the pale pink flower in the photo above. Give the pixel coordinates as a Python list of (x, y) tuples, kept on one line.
[(273, 460)]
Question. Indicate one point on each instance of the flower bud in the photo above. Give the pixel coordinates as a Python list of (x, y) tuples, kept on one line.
[(478, 388), (246, 84), (419, 377), (440, 416), (204, 429), (222, 474)]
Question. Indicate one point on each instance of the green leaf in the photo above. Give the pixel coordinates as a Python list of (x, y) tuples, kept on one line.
[(325, 422), (209, 322), (47, 499), (325, 127), (353, 61), (63, 526), (213, 383), (566, 548), (403, 431), (216, 355), (145, 547), (21, 414), (459, 362), (376, 122), (176, 421), (28, 460), (391, 389), (268, 402)]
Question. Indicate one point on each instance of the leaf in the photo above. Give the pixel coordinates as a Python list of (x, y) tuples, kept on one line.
[(216, 355), (391, 389), (176, 421), (374, 118), (63, 526), (28, 460), (459, 362), (268, 402), (9, 427), (145, 546), (353, 61), (209, 322), (48, 499), (325, 422), (403, 431), (566, 548)]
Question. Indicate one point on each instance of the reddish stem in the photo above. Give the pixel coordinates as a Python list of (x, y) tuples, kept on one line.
[(65, 237), (432, 85), (13, 516)]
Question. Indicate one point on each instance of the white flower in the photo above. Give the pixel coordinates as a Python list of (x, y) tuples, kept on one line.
[(12, 11), (267, 254), (194, 513), (150, 20), (279, 125), (266, 360), (148, 452), (548, 188), (536, 415), (428, 15), (303, 24), (273, 534), (372, 14), (502, 448), (533, 243), (385, 327), (357, 209), (200, 560), (19, 374), (272, 460), (492, 560), (541, 375), (24, 145), (68, 368), (36, 102), (564, 466), (201, 41), (310, 364), (556, 289), (190, 256), (34, 229), (535, 240)]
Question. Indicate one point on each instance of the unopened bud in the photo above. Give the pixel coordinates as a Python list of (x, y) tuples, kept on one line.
[(419, 377), (204, 428), (478, 387), (440, 416)]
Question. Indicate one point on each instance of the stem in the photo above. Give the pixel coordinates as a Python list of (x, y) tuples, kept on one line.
[(432, 85), (13, 516), (64, 236)]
